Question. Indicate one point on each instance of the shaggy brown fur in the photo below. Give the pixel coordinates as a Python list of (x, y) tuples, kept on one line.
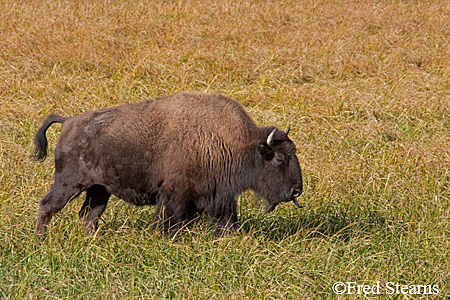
[(188, 153)]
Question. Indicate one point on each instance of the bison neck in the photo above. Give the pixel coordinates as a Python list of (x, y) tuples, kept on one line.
[(245, 171)]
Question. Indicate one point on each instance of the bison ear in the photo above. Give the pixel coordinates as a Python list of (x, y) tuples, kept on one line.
[(265, 150)]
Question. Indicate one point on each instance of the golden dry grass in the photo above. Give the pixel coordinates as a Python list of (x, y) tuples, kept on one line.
[(363, 84)]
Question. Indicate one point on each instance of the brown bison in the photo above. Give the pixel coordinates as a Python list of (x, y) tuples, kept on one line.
[(188, 153)]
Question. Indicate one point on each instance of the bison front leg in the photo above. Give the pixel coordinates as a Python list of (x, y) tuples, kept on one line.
[(225, 226), (224, 216), (93, 207), (171, 216)]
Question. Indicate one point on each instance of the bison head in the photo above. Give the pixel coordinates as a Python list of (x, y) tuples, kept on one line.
[(278, 178)]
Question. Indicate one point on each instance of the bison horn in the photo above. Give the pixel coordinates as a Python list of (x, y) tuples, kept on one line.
[(270, 137), (287, 130), (296, 203)]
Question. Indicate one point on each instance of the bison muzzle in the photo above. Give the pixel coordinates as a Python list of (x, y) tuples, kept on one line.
[(188, 154)]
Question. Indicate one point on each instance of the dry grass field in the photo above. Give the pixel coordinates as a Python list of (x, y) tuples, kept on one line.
[(364, 85)]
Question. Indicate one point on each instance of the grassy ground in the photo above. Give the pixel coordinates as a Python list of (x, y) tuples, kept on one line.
[(364, 86)]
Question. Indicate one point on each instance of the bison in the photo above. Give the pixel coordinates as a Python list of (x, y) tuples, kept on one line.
[(188, 154)]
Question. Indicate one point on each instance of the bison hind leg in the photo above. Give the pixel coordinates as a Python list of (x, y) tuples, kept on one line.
[(50, 204), (93, 207)]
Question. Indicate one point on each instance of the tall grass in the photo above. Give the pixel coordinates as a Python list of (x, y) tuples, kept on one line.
[(364, 86)]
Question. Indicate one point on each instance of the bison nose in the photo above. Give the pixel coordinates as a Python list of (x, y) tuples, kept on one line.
[(296, 193)]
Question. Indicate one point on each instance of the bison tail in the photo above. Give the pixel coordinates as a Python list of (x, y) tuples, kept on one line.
[(40, 140)]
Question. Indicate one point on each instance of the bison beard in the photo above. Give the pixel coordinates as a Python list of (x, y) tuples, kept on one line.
[(188, 153)]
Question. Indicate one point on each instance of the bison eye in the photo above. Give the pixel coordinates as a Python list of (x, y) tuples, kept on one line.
[(279, 159)]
